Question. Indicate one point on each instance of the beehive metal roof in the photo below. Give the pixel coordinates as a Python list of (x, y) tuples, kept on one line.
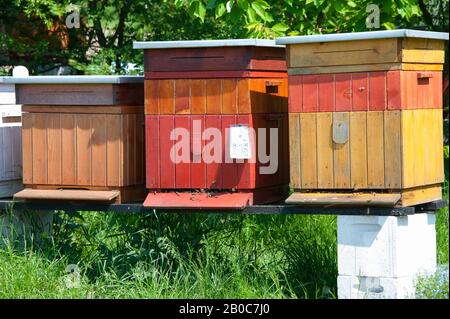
[(384, 34), (204, 43), (73, 79)]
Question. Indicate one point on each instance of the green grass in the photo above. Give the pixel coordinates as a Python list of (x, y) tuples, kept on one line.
[(188, 256), (177, 256)]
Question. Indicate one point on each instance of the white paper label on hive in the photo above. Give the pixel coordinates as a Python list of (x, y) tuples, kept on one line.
[(240, 142)]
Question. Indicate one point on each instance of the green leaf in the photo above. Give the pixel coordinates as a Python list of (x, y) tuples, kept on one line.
[(220, 10), (259, 9), (280, 27), (252, 18), (389, 25), (229, 5), (200, 10), (351, 4)]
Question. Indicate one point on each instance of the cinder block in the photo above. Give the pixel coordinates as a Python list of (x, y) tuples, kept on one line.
[(359, 287), (7, 94), (379, 246)]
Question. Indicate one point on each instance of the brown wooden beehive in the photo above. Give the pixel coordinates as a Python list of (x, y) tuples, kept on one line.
[(365, 117), (83, 138)]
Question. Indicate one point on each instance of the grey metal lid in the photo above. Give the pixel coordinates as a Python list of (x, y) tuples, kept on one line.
[(402, 33), (204, 44), (73, 79)]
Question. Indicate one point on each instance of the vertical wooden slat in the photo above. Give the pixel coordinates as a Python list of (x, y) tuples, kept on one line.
[(213, 96), (246, 169), (213, 169), (310, 93), (358, 149), (377, 91), (294, 150), (2, 155), (167, 166), (422, 139), (198, 167), (244, 96), (229, 169), (98, 145), (68, 149), (54, 148), (229, 105), (257, 96), (343, 92), (27, 148), (84, 159), (114, 155), (326, 92), (151, 96), (341, 156), (409, 145), (392, 150), (39, 148), (153, 151), (198, 96), (324, 150), (182, 169), (125, 152), (437, 174), (182, 96), (140, 149), (6, 167), (393, 89), (166, 97), (375, 150), (295, 93), (17, 155), (308, 154), (360, 89), (132, 149)]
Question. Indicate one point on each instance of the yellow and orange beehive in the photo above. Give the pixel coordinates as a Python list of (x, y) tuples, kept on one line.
[(365, 117)]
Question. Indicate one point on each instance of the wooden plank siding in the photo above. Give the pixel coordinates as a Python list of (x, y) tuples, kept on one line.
[(366, 55), (83, 150), (202, 171), (365, 91), (385, 150), (216, 96)]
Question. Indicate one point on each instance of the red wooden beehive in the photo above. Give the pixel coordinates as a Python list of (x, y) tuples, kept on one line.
[(196, 85)]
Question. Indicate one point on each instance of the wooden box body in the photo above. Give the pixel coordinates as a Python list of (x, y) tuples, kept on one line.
[(365, 117), (92, 148)]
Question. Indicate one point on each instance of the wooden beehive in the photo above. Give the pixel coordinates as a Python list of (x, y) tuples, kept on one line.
[(220, 84), (365, 118), (83, 138), (10, 140)]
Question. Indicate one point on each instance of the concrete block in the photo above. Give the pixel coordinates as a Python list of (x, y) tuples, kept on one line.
[(386, 246), (360, 287)]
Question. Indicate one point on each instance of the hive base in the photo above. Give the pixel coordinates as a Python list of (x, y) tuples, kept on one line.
[(214, 200), (120, 195), (394, 198)]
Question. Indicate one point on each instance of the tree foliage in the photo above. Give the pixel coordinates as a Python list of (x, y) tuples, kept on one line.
[(34, 32)]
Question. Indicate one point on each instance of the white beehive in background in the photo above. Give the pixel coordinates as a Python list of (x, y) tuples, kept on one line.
[(10, 137)]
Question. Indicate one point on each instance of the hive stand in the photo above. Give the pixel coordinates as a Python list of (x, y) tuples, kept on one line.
[(366, 128), (379, 251)]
